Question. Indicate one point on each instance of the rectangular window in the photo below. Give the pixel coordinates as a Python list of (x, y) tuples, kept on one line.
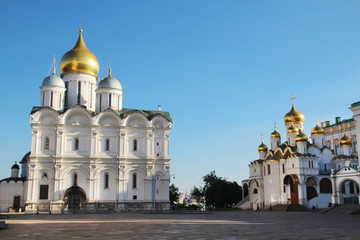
[(109, 99), (284, 189), (309, 164), (44, 192), (79, 93), (51, 99), (66, 94), (107, 145), (76, 144), (75, 178), (100, 102), (312, 164), (106, 180), (269, 170), (283, 168), (135, 147), (47, 143), (134, 181), (134, 197)]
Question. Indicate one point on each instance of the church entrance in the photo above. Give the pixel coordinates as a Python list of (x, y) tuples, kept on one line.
[(75, 198), (16, 204), (349, 192), (293, 181)]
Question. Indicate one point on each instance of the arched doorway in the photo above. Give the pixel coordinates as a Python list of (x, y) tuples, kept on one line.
[(349, 192), (75, 198), (311, 185), (293, 182)]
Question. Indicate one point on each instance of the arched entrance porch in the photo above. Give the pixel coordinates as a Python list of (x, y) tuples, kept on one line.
[(292, 181), (349, 192), (75, 198)]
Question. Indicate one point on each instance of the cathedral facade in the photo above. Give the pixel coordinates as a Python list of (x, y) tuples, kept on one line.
[(322, 171), (87, 151)]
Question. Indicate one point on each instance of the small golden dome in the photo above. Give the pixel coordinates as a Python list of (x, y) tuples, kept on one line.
[(275, 134), (345, 141), (301, 137), (317, 130), (79, 59), (262, 147), (292, 129), (294, 116)]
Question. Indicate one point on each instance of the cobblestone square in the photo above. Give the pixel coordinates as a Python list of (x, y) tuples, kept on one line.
[(217, 225)]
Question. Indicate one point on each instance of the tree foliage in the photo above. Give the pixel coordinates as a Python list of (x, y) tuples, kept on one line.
[(174, 194), (218, 191)]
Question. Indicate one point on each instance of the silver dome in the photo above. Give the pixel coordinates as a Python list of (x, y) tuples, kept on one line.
[(110, 82), (53, 80)]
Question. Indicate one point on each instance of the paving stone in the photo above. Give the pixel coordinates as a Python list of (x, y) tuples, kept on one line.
[(219, 225)]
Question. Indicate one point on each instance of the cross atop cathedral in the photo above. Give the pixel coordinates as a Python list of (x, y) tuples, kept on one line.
[(80, 23), (292, 99), (262, 137), (317, 120), (274, 125)]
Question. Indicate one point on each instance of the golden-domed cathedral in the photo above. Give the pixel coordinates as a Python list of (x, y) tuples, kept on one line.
[(88, 153), (302, 171)]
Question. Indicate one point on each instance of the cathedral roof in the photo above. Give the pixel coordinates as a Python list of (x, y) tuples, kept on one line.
[(25, 158), (79, 59), (110, 82), (13, 179), (294, 116), (354, 156), (53, 80), (125, 112)]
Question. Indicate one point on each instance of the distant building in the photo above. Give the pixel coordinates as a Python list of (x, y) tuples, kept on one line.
[(87, 151), (319, 172)]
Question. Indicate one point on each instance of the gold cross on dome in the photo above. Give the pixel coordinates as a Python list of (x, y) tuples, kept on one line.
[(317, 120), (275, 125), (292, 99), (262, 137)]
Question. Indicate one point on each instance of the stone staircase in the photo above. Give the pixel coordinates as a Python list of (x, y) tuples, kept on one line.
[(346, 209), (238, 205), (289, 208)]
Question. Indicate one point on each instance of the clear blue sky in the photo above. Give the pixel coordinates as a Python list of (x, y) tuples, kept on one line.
[(225, 70)]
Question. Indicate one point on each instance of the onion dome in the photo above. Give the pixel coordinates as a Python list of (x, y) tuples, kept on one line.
[(15, 166), (292, 129), (275, 134), (301, 137), (262, 147), (317, 130), (110, 82), (53, 80), (345, 141), (79, 59), (294, 116)]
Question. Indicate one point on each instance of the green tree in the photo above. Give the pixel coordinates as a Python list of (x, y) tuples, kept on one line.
[(197, 193), (219, 192), (174, 194)]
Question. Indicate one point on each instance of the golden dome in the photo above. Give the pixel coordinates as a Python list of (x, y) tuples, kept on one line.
[(292, 129), (275, 134), (301, 137), (79, 59), (345, 141), (317, 130), (294, 116), (262, 147)]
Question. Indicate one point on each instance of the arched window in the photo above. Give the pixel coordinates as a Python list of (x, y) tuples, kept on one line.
[(135, 145), (75, 178), (100, 102), (47, 143), (106, 181), (354, 144), (325, 186), (269, 172), (79, 93), (134, 180), (107, 144), (76, 144), (109, 99), (255, 191)]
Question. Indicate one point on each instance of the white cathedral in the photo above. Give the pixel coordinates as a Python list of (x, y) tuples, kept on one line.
[(323, 171), (87, 151)]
